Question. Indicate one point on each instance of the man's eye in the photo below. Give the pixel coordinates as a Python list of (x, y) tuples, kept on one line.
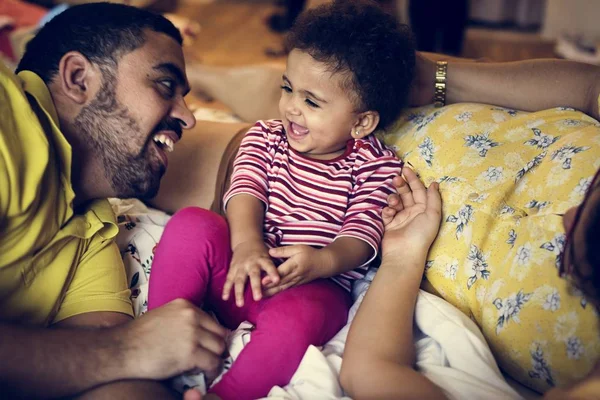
[(170, 85), (311, 103), (286, 88)]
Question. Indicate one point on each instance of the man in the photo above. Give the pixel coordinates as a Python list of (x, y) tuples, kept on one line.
[(97, 104)]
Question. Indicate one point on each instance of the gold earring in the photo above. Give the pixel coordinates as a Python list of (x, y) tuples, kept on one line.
[(357, 133)]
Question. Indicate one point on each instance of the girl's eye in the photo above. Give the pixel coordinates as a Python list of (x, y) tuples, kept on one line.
[(286, 88), (311, 103)]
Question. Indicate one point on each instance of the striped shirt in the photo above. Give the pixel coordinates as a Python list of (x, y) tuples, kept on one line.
[(313, 202)]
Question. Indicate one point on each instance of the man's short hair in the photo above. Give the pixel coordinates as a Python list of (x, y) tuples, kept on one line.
[(359, 37), (102, 32)]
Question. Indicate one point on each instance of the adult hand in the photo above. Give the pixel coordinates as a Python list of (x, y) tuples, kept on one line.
[(412, 218), (193, 394), (422, 89), (248, 261), (173, 339), (303, 265)]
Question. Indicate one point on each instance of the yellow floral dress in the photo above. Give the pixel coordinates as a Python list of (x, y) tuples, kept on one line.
[(506, 177)]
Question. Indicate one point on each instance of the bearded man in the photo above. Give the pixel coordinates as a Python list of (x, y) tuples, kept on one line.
[(96, 105)]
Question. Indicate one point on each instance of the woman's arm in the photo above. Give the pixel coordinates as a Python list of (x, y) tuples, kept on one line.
[(527, 85), (530, 85), (379, 355)]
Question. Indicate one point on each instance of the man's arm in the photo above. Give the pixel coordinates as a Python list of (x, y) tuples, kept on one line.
[(530, 85), (129, 389), (80, 355)]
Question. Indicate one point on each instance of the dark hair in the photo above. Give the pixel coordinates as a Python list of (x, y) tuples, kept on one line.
[(102, 32), (361, 38), (591, 234)]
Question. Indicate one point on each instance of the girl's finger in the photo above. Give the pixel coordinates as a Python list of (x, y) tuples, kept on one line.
[(227, 287), (254, 276), (239, 285)]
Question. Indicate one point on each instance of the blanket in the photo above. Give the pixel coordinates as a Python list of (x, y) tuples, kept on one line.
[(451, 350)]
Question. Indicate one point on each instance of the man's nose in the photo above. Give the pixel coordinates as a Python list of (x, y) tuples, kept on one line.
[(183, 115)]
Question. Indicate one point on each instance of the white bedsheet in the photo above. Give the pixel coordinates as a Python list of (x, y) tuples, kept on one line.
[(451, 350)]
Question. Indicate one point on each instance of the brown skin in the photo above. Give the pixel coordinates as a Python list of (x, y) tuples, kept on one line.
[(142, 90), (514, 85), (588, 388), (121, 360), (575, 85)]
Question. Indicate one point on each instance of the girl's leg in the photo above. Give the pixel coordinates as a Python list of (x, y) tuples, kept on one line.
[(286, 324), (191, 262)]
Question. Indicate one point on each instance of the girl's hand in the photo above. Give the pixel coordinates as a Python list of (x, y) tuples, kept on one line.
[(412, 218), (303, 265), (248, 261)]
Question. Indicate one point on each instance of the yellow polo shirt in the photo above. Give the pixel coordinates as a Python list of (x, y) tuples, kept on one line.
[(54, 264)]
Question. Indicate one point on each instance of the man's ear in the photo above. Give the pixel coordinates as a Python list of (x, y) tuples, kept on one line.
[(365, 125), (75, 73)]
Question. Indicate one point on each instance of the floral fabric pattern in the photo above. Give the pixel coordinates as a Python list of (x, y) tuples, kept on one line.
[(506, 178)]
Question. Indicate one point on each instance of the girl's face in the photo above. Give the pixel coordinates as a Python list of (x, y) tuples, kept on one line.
[(317, 113)]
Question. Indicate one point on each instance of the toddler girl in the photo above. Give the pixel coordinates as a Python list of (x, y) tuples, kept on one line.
[(305, 201)]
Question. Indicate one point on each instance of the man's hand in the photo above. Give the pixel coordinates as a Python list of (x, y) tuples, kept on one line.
[(304, 264), (173, 339), (248, 261), (412, 218)]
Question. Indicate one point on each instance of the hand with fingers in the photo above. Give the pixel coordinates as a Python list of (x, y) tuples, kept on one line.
[(412, 218), (249, 261), (173, 339), (303, 264)]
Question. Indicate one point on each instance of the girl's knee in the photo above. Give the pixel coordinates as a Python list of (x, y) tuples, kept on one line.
[(198, 222), (318, 315)]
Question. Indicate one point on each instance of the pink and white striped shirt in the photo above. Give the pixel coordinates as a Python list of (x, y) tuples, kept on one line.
[(313, 202)]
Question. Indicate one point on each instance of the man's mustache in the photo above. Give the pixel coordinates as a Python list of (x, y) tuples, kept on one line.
[(170, 124)]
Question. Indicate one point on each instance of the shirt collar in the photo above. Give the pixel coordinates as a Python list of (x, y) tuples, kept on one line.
[(36, 87)]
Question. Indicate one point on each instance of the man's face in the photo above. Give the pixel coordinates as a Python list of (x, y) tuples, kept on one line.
[(138, 115), (576, 259)]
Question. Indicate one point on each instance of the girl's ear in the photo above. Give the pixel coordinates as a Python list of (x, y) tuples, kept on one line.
[(365, 125)]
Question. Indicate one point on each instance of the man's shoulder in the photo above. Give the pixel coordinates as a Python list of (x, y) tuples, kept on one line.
[(10, 87), (6, 73), (24, 147), (14, 106)]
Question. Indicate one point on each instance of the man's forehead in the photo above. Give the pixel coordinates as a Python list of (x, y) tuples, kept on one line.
[(158, 49)]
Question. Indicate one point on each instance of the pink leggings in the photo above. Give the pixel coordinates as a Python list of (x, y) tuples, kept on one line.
[(191, 262)]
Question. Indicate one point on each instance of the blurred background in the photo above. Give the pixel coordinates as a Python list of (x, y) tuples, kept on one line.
[(234, 32), (240, 32)]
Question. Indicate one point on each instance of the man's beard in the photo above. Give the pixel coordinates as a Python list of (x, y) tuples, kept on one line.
[(124, 150)]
